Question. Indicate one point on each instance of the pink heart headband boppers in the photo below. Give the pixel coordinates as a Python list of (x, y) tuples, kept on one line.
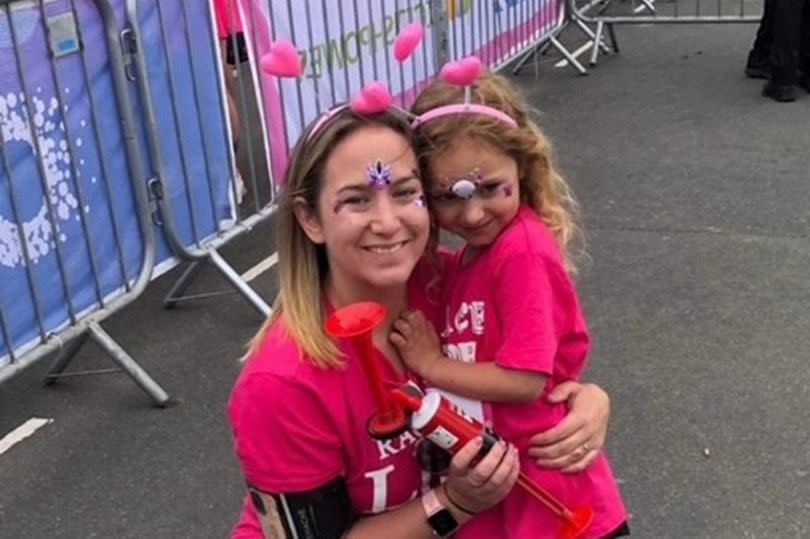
[(463, 73), (283, 61)]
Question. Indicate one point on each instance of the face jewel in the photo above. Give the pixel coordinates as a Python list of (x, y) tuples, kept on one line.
[(379, 175), (465, 186), (463, 189)]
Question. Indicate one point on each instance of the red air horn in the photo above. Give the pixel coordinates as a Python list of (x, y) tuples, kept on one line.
[(356, 322), (430, 415)]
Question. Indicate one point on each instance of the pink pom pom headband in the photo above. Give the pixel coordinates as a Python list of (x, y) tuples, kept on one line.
[(375, 98)]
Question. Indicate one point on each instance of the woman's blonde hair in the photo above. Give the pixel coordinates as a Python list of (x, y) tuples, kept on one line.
[(541, 185), (302, 264)]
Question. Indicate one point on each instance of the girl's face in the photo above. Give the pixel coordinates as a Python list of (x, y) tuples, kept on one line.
[(371, 213), (475, 191)]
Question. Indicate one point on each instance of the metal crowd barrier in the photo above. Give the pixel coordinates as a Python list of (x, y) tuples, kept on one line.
[(76, 243), (606, 13), (198, 197)]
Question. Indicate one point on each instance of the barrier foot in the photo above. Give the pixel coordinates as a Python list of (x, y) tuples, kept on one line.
[(613, 42), (529, 55), (237, 282), (600, 26), (128, 365), (182, 284), (63, 359), (568, 56), (592, 36)]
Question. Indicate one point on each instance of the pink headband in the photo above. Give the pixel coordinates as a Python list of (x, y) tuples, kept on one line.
[(463, 108), (463, 73)]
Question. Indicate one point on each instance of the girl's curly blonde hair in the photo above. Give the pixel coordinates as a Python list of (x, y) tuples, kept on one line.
[(541, 185)]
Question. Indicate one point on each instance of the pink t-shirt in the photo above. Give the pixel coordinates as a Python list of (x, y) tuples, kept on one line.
[(515, 304), (297, 427)]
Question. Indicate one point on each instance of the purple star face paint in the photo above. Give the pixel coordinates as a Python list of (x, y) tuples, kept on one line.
[(379, 175), (507, 191), (420, 202)]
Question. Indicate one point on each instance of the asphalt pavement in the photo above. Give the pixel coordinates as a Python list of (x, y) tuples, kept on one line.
[(696, 195)]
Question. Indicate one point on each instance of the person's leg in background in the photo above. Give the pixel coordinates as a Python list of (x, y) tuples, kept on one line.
[(758, 65), (787, 19), (231, 44)]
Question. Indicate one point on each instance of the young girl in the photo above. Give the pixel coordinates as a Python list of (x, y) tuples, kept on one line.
[(514, 327)]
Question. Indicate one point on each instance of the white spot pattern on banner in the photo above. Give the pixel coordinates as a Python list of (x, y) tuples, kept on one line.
[(53, 149)]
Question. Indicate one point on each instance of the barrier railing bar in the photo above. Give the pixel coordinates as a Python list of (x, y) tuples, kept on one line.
[(36, 146), (460, 6), (260, 107), (329, 61), (15, 209), (178, 126), (105, 167), (316, 87), (386, 45), (203, 132), (359, 46), (244, 115), (344, 48), (373, 37), (89, 325), (74, 171), (278, 81), (6, 333), (291, 19), (190, 253), (426, 18), (222, 92)]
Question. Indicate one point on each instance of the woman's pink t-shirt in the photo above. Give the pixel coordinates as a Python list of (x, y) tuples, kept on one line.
[(515, 304), (297, 427)]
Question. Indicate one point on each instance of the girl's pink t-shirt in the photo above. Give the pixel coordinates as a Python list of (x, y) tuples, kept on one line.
[(297, 427), (515, 304)]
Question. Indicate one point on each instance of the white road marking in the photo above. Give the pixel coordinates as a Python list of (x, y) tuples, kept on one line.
[(260, 268), (22, 432), (575, 54)]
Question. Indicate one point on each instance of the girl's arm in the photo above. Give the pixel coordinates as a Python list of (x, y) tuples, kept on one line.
[(418, 344)]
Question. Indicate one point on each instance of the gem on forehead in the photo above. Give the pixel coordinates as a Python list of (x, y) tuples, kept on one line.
[(379, 175), (463, 188)]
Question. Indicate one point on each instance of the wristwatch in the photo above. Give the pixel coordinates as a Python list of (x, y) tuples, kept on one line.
[(440, 519)]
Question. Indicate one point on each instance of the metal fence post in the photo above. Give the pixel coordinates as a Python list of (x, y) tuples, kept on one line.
[(440, 28)]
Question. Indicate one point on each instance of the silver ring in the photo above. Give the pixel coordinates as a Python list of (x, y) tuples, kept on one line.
[(586, 448)]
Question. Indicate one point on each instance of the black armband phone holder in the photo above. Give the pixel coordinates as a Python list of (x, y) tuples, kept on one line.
[(321, 513)]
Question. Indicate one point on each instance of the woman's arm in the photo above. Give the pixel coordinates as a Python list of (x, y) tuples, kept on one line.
[(574, 443), (418, 344), (475, 488)]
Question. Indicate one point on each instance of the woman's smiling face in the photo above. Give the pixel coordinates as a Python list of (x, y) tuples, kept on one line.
[(371, 214)]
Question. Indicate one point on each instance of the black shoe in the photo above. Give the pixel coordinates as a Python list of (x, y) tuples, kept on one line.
[(804, 82), (784, 93)]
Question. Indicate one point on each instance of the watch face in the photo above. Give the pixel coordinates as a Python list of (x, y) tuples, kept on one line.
[(443, 523)]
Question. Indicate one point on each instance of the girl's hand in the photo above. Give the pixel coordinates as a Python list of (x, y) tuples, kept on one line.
[(477, 488), (417, 342), (573, 444)]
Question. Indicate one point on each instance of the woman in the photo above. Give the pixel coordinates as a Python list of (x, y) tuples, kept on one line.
[(353, 226)]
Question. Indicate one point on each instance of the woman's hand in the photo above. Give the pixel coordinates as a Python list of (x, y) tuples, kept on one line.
[(573, 444), (477, 488), (417, 342)]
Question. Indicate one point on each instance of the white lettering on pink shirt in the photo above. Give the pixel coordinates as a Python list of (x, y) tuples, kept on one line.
[(388, 448)]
